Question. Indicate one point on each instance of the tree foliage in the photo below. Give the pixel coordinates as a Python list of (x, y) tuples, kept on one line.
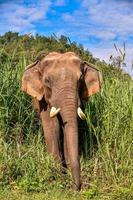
[(15, 47)]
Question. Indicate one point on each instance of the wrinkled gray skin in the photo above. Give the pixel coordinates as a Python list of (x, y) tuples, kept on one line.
[(59, 81)]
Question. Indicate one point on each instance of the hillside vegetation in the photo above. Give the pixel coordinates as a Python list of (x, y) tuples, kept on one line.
[(106, 138)]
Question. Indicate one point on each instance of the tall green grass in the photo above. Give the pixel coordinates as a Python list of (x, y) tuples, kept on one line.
[(106, 139), (110, 119)]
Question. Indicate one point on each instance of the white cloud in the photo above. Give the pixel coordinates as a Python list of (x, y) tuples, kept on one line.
[(107, 21), (104, 53), (60, 3), (68, 17), (115, 16), (21, 17)]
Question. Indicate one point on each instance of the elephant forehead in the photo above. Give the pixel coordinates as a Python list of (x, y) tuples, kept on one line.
[(65, 73), (64, 70), (62, 65), (65, 57), (57, 54)]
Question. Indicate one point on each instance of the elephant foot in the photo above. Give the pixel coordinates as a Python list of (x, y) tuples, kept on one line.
[(76, 187)]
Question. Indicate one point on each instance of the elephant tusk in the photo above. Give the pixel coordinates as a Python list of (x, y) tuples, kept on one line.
[(81, 114), (54, 111)]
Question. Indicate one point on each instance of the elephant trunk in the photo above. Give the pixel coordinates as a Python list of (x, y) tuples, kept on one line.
[(69, 116)]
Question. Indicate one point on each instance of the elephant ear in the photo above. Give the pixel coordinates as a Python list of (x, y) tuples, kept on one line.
[(92, 80), (32, 81)]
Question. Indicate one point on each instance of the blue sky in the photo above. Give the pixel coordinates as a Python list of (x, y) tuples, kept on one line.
[(97, 24)]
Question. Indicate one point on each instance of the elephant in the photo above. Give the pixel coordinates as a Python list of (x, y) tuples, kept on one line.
[(58, 84)]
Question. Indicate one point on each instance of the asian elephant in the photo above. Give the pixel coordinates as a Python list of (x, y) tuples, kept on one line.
[(58, 83)]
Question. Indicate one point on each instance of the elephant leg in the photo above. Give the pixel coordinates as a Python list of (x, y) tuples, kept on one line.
[(51, 134)]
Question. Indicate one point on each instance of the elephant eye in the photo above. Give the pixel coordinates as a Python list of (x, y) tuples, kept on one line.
[(47, 81)]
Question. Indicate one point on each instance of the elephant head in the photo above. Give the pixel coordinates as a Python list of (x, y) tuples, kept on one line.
[(62, 81)]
